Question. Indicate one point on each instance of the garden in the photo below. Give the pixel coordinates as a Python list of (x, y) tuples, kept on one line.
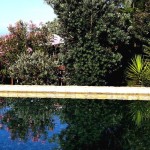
[(91, 43)]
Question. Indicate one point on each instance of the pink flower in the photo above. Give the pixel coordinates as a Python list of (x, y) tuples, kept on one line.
[(32, 26), (29, 50)]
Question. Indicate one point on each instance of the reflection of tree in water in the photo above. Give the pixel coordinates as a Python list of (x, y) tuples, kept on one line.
[(30, 118), (92, 125), (2, 111), (2, 102), (102, 125), (86, 121)]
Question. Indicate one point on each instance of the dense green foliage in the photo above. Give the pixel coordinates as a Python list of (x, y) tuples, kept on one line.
[(26, 54), (101, 39), (34, 68), (93, 31), (105, 125)]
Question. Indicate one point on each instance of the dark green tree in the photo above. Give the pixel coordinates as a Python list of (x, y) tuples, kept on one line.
[(139, 28), (93, 31), (100, 37)]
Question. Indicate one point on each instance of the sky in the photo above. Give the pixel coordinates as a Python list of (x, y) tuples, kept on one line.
[(12, 11)]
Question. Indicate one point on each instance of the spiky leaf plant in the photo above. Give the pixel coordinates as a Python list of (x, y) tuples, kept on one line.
[(137, 71)]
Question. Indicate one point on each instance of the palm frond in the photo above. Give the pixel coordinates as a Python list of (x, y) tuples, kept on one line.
[(137, 70)]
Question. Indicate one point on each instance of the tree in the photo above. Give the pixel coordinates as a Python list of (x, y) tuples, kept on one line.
[(22, 37), (25, 39), (100, 37), (93, 31), (140, 4), (34, 68)]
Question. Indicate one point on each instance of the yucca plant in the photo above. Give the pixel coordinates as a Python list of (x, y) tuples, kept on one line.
[(140, 112), (138, 74), (137, 71)]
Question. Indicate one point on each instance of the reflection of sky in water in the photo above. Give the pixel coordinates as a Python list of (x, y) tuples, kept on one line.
[(7, 144)]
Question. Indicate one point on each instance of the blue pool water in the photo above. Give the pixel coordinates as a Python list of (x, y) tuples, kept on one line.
[(48, 124), (32, 143)]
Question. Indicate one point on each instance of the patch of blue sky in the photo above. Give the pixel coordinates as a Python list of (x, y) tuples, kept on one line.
[(12, 11)]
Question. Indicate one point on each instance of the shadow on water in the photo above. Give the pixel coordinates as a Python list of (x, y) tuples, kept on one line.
[(70, 125)]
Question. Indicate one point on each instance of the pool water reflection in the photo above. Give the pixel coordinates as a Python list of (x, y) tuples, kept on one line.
[(24, 125), (67, 124)]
